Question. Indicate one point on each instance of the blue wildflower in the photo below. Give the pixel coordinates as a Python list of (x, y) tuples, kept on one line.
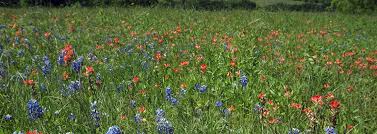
[(71, 117), (1, 49), (18, 132), (173, 100), (42, 87), (46, 69), (2, 26), (20, 53), (330, 130), (74, 86), (160, 113), (197, 86), (203, 89), (138, 118), (258, 108), (34, 110), (92, 57), (163, 125), (294, 131), (218, 104), (94, 113), (226, 111), (133, 103), (243, 81), (114, 130), (2, 70), (169, 97), (61, 58), (168, 92), (8, 117), (76, 64)]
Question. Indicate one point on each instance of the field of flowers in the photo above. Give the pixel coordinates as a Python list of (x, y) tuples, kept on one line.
[(151, 70)]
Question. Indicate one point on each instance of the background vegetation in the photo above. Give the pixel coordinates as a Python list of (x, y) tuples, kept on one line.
[(350, 6)]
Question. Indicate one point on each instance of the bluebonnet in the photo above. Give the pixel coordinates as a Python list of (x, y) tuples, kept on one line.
[(61, 58), (330, 130), (2, 26), (201, 88), (183, 91), (16, 40), (243, 81), (2, 70), (197, 86), (294, 131), (18, 132), (258, 108), (163, 125), (138, 118), (20, 53), (133, 103), (46, 69), (1, 49), (226, 111), (74, 86), (34, 110), (173, 100), (94, 113), (92, 57), (71, 117), (160, 113), (168, 93), (76, 64), (114, 130), (120, 88), (8, 117), (169, 97), (42, 87), (218, 104), (144, 65)]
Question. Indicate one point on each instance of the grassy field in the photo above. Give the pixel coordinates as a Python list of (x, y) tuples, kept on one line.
[(210, 72)]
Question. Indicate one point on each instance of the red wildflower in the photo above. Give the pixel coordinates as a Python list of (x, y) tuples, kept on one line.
[(135, 79), (167, 65), (346, 54), (373, 67), (158, 56), (89, 70), (334, 104), (68, 53), (349, 127), (123, 117), (65, 75), (197, 46), (296, 105), (326, 85), (317, 99), (184, 63), (141, 109), (233, 63), (29, 82), (47, 35), (232, 108), (261, 95), (33, 132), (203, 67), (116, 40), (329, 96)]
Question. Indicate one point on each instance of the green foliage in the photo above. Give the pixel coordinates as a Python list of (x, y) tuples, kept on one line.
[(355, 6)]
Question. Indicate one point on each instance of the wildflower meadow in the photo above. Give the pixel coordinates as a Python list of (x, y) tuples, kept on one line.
[(160, 70)]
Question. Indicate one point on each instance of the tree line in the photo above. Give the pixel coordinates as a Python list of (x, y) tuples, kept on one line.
[(354, 6)]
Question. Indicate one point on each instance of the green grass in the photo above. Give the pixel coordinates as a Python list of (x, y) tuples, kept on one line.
[(276, 65)]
